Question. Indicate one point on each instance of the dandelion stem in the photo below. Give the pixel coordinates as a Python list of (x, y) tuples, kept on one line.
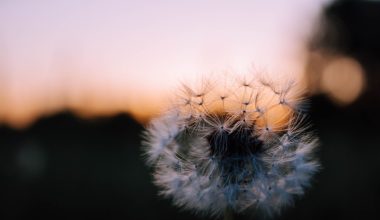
[(229, 214)]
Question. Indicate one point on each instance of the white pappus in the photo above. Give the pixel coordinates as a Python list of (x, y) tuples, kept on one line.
[(244, 146)]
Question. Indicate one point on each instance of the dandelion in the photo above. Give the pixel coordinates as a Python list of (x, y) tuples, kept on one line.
[(244, 146)]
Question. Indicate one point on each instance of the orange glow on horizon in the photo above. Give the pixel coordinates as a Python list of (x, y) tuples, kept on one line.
[(130, 56)]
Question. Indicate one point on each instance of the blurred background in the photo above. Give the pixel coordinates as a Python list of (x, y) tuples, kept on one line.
[(80, 79)]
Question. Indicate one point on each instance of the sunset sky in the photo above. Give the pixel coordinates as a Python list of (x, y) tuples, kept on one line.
[(103, 57)]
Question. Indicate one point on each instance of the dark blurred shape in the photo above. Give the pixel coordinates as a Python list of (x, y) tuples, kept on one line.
[(350, 29), (348, 186), (64, 167)]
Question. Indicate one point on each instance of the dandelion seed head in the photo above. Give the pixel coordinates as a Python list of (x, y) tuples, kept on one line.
[(241, 146)]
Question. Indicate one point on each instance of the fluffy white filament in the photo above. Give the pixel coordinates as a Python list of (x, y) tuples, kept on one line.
[(243, 147)]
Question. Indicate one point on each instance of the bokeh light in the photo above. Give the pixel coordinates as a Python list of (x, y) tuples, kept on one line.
[(343, 80), (340, 77)]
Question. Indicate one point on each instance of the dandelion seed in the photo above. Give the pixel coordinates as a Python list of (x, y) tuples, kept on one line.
[(253, 152)]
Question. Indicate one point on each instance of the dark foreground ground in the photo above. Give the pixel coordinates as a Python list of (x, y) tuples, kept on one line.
[(68, 168)]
